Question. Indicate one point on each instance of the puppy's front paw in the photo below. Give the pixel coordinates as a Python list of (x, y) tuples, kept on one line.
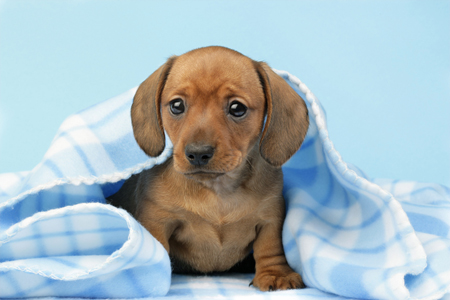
[(277, 280)]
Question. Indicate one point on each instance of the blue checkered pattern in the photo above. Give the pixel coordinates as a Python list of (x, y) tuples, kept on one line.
[(346, 234)]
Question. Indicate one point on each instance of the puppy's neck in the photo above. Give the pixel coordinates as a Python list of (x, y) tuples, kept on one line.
[(229, 182)]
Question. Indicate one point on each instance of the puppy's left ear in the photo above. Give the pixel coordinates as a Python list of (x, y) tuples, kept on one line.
[(145, 111), (287, 118)]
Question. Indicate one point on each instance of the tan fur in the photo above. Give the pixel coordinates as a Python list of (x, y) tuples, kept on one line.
[(211, 220)]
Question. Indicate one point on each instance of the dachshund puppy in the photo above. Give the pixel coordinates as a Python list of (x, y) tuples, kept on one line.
[(233, 122)]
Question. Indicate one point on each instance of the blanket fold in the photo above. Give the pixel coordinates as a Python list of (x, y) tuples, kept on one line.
[(346, 234), (82, 250)]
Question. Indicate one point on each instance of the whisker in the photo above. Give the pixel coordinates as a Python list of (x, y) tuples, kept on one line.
[(250, 164)]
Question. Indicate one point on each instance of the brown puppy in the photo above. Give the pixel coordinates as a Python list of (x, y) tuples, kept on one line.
[(220, 194)]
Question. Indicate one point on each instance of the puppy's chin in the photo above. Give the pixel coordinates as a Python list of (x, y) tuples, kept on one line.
[(203, 176)]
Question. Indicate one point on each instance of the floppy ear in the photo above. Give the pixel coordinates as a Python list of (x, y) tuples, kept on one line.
[(287, 118), (146, 114)]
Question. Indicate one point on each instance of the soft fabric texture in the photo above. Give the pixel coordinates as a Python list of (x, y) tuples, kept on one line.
[(347, 235)]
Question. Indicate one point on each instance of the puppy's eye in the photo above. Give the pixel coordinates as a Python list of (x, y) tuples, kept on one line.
[(237, 109), (177, 106)]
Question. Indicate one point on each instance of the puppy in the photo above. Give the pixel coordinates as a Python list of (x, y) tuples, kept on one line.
[(233, 122)]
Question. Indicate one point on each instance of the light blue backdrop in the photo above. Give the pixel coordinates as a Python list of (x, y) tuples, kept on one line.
[(380, 68)]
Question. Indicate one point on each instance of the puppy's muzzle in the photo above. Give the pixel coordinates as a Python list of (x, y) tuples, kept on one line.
[(199, 154)]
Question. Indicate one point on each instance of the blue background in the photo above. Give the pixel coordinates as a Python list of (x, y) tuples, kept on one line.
[(380, 68)]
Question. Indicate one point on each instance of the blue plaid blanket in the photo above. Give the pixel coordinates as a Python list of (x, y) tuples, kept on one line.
[(346, 234)]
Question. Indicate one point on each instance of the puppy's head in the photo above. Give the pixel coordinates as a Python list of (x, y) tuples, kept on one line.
[(212, 102)]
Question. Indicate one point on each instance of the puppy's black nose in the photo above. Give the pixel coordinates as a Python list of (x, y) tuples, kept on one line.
[(198, 155)]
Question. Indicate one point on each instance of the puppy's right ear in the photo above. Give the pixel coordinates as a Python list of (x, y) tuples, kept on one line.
[(145, 111)]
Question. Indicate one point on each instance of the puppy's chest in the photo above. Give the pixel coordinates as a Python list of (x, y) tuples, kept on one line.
[(219, 211), (214, 242), (210, 232), (197, 231), (222, 223)]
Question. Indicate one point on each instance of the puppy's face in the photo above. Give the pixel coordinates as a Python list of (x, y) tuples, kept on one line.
[(212, 107), (212, 103)]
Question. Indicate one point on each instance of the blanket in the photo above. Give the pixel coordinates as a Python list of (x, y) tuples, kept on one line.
[(348, 235)]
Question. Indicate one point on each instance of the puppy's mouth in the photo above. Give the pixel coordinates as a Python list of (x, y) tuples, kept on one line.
[(203, 174)]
